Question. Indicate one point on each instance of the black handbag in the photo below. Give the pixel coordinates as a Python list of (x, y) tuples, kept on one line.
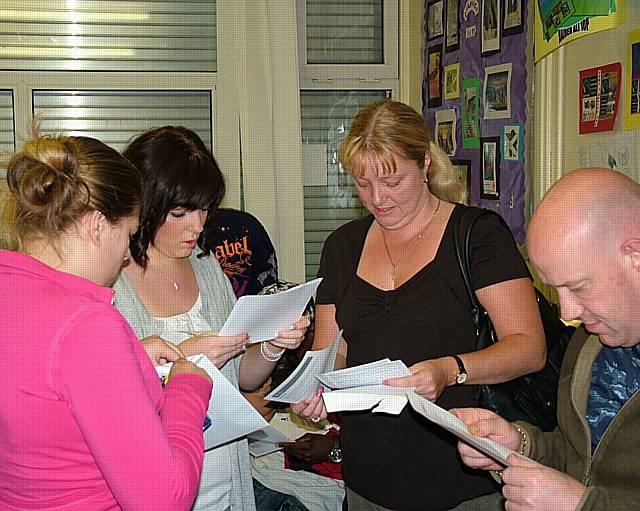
[(532, 397)]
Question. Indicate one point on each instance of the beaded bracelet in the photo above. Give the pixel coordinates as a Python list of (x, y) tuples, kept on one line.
[(523, 439), (268, 355)]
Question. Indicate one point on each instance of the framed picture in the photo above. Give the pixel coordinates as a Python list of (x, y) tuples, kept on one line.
[(512, 141), (513, 23), (434, 76), (452, 41), (490, 169), (497, 92), (470, 113), (452, 81), (490, 30), (435, 19), (446, 130), (462, 172)]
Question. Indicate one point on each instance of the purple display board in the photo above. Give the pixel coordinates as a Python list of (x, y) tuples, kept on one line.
[(498, 114)]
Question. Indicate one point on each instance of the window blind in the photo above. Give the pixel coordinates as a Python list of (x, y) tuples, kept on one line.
[(344, 32), (7, 137), (108, 35), (326, 118), (116, 116)]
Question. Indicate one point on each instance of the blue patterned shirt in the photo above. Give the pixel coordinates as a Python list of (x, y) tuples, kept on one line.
[(615, 377)]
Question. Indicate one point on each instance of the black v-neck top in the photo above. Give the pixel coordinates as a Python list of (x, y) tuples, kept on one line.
[(405, 462)]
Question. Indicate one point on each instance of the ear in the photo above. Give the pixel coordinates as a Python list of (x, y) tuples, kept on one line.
[(631, 248), (93, 225), (427, 164)]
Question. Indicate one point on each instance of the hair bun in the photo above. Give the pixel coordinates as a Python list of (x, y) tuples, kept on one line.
[(45, 174)]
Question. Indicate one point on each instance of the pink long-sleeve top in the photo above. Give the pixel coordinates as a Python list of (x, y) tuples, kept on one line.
[(84, 421)]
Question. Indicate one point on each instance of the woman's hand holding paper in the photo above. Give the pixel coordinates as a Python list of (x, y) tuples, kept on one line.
[(429, 378), (218, 349), (160, 351), (291, 339)]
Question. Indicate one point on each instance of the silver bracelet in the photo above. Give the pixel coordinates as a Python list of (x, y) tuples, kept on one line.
[(268, 355)]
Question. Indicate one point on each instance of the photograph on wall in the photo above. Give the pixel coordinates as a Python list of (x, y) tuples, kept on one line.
[(435, 24), (512, 142), (490, 170), (434, 76), (497, 92), (470, 113), (446, 131), (490, 31), (599, 96), (632, 107), (453, 25), (513, 23), (452, 81), (462, 172)]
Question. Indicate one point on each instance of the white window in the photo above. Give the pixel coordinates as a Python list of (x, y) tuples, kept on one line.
[(7, 136), (348, 52)]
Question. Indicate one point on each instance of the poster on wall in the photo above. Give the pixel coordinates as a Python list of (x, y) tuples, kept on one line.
[(632, 107), (452, 81), (453, 25), (446, 130), (490, 32), (470, 114), (581, 26), (434, 76), (497, 92), (512, 142), (490, 171), (513, 23), (599, 95), (556, 15), (435, 26), (462, 173)]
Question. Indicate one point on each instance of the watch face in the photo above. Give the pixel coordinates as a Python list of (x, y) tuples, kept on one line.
[(461, 378), (335, 455)]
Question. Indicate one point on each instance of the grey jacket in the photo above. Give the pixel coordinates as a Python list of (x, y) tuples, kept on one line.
[(217, 302)]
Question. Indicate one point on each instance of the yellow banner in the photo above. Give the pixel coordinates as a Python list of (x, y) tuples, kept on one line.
[(585, 27)]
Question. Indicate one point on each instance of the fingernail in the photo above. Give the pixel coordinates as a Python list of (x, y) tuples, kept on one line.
[(319, 391)]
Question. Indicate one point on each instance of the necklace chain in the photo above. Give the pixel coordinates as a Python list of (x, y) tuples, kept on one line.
[(396, 264)]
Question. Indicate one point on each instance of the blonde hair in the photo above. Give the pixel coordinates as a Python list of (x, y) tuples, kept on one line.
[(385, 130), (54, 180)]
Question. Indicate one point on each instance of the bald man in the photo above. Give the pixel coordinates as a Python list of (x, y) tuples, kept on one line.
[(584, 239)]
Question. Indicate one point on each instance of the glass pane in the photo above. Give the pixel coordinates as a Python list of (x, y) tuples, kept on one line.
[(344, 32), (7, 131), (116, 116), (108, 35), (326, 119)]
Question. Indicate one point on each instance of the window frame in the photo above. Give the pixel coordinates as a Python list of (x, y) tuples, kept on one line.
[(359, 72)]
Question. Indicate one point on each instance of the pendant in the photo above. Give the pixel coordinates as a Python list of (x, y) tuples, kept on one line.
[(175, 285)]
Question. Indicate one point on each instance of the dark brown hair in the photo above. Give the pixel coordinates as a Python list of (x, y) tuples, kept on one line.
[(178, 171)]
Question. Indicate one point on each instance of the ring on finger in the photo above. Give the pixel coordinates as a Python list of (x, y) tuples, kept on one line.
[(315, 420)]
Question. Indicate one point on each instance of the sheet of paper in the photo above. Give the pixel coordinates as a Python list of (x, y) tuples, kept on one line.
[(379, 398), (314, 164), (451, 423), (263, 316), (232, 416), (302, 382), (282, 428), (372, 373)]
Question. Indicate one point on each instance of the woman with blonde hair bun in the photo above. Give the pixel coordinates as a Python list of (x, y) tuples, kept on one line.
[(84, 419), (392, 283)]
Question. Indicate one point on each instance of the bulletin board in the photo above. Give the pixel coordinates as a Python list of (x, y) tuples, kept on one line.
[(474, 97)]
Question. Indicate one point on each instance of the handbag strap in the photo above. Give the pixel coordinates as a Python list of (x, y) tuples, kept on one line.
[(462, 244)]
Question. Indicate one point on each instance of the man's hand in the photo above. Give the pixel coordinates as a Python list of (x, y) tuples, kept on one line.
[(484, 423), (529, 486), (312, 448)]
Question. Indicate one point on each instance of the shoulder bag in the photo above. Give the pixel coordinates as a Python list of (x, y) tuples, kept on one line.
[(532, 397)]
